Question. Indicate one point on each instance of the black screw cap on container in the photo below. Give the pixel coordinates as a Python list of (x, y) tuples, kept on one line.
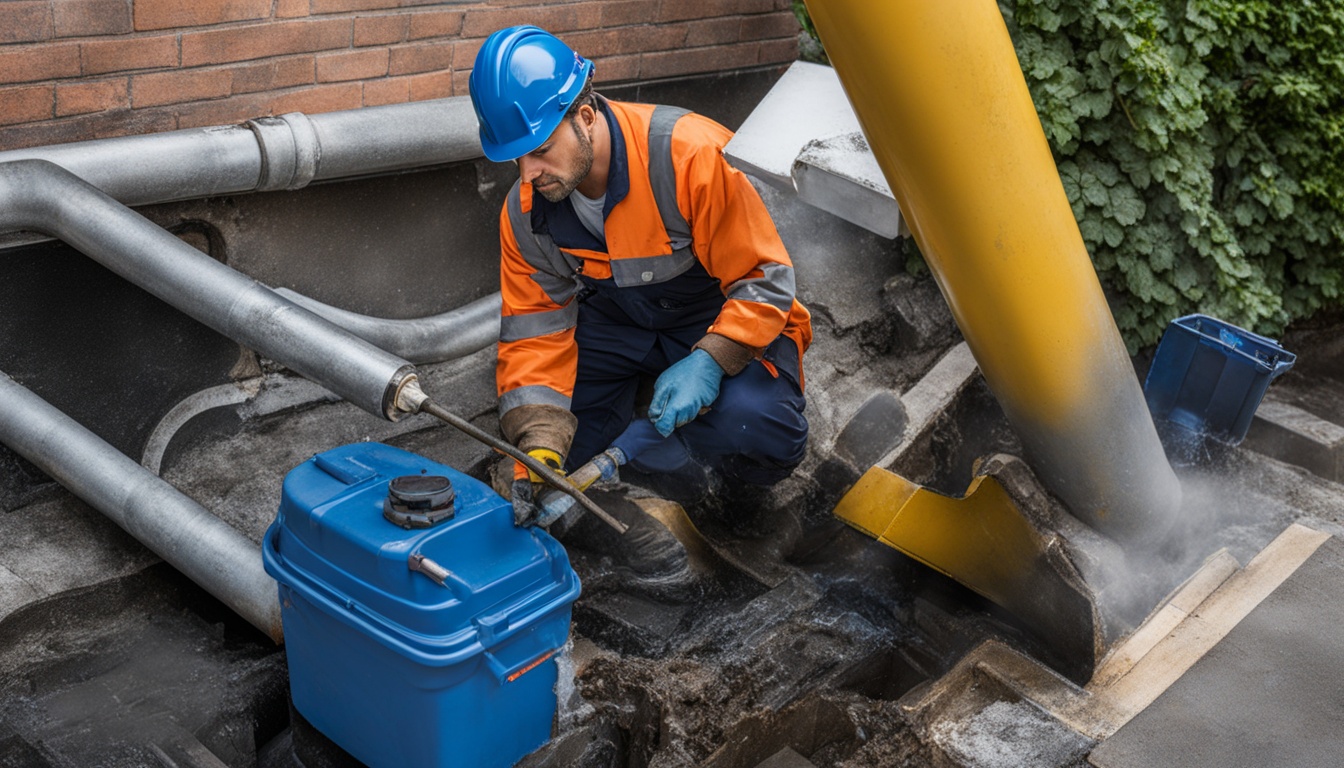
[(419, 501)]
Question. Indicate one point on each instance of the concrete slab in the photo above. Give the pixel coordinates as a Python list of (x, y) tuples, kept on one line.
[(58, 545), (1295, 435), (806, 103), (786, 758), (804, 137), (840, 175), (1267, 694)]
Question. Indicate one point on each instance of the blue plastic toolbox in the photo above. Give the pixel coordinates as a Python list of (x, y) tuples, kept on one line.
[(420, 624)]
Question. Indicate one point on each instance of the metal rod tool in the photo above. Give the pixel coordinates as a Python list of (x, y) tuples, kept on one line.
[(551, 477)]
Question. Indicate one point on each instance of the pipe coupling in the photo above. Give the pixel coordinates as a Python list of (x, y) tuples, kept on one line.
[(290, 151)]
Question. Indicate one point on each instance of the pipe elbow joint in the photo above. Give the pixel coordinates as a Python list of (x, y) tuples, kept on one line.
[(32, 193)]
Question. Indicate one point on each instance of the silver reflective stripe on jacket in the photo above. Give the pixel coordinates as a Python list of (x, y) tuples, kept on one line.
[(774, 287), (534, 394), (663, 175), (515, 327), (556, 271), (649, 270)]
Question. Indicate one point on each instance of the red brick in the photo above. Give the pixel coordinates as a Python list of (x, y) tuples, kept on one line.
[(274, 74), (230, 111), (25, 22), (256, 41), (436, 24), (771, 26), (714, 31), (779, 51), (461, 82), (176, 87), (388, 90), (322, 98), (80, 18), (409, 59), (340, 6), (509, 3), (92, 96), (165, 14), (616, 69), (48, 61), (464, 53), (599, 43), (553, 18), (609, 42), (432, 85), (697, 60), (681, 10), (130, 53), (381, 30), (620, 14), (25, 105), (290, 9), (352, 65), (120, 122)]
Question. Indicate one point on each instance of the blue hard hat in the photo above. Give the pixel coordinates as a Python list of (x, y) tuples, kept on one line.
[(522, 84)]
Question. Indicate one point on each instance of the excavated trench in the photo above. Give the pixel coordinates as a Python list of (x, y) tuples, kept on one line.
[(798, 643)]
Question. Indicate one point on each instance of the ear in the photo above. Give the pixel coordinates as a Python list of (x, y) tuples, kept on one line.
[(588, 115)]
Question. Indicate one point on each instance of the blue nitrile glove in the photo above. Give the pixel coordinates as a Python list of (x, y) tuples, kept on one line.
[(689, 385)]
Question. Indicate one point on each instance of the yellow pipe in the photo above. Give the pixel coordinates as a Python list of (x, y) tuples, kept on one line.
[(938, 90)]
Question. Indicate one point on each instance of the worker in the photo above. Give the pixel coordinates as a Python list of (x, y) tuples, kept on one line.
[(631, 250)]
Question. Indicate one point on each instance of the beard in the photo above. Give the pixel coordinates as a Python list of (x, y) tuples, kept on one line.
[(560, 186)]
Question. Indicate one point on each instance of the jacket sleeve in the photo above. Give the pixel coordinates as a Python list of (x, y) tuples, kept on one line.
[(537, 354), (736, 241)]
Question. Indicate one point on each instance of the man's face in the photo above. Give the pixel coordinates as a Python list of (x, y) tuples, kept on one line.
[(560, 164)]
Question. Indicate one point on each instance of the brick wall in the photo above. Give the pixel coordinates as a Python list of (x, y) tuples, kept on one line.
[(81, 69)]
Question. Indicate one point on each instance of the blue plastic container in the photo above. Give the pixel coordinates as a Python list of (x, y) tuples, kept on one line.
[(1208, 376), (394, 667)]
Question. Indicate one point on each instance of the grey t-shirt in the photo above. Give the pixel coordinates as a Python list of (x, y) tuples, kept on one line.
[(589, 212)]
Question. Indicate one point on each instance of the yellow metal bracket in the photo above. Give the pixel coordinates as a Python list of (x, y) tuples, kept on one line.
[(989, 544)]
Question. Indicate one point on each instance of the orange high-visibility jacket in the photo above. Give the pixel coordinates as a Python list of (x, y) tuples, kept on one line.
[(685, 203)]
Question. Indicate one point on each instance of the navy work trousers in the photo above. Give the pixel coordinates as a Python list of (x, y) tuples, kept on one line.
[(754, 432)]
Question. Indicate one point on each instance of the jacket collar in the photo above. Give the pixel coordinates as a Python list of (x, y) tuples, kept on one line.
[(559, 220)]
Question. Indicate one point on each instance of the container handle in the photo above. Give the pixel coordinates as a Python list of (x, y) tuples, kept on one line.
[(507, 674)]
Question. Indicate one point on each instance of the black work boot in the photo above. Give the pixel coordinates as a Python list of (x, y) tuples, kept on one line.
[(648, 558)]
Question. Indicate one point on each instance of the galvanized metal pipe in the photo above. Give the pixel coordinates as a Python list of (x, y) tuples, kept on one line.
[(433, 339), (269, 153), (185, 534), (41, 196), (943, 103)]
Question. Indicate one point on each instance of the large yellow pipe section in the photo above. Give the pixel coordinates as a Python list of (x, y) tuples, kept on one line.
[(939, 92)]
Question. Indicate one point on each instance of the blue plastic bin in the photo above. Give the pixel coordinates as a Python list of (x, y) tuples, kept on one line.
[(394, 667), (1208, 376)]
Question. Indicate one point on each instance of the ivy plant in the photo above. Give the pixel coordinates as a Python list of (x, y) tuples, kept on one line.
[(1200, 143)]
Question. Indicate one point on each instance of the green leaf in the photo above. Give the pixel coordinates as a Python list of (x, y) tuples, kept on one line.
[(1201, 146)]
